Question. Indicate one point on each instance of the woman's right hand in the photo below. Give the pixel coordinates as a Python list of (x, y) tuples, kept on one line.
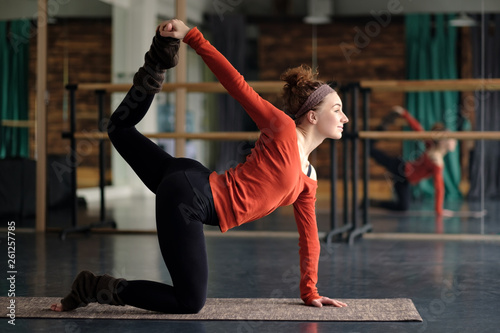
[(173, 28), (448, 213)]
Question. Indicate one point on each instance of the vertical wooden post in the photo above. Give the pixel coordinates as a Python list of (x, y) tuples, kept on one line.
[(468, 100), (41, 118), (181, 93)]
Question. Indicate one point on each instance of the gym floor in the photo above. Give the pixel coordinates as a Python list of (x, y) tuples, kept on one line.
[(452, 278)]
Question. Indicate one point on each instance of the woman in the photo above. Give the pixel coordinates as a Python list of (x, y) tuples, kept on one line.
[(188, 195), (429, 164)]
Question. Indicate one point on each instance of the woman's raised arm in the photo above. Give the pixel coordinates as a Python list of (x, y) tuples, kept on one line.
[(263, 113)]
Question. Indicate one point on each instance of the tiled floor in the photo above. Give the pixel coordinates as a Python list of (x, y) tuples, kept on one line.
[(454, 284)]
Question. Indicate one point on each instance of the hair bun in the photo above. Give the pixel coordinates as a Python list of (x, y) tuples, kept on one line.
[(300, 82), (300, 77)]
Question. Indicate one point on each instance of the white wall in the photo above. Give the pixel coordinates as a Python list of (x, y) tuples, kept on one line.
[(134, 24)]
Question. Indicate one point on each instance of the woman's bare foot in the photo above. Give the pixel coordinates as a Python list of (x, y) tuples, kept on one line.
[(56, 307)]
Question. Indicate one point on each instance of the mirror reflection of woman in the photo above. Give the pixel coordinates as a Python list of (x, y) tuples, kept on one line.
[(405, 173)]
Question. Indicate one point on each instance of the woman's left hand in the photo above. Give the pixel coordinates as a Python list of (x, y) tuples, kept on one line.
[(327, 301), (173, 28)]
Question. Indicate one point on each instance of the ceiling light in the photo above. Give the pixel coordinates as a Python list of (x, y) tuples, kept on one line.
[(463, 20)]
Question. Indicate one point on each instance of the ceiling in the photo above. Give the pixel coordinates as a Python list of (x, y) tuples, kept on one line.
[(12, 9)]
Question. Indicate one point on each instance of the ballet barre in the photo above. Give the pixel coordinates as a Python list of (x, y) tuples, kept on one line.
[(431, 85), (226, 136), (429, 135), (100, 135), (18, 123), (191, 87), (351, 226)]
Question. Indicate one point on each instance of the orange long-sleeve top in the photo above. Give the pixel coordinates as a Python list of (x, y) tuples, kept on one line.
[(271, 176), (423, 167)]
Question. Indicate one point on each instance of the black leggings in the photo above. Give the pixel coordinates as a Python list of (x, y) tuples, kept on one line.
[(396, 166), (183, 204)]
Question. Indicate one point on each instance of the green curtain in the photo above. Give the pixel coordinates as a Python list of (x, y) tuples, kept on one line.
[(431, 54), (14, 62)]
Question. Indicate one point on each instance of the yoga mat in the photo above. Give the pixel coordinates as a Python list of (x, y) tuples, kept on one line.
[(257, 309)]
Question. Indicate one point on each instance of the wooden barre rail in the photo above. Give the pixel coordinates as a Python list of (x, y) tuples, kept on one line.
[(431, 85), (18, 123), (204, 87), (250, 136), (402, 135), (277, 86)]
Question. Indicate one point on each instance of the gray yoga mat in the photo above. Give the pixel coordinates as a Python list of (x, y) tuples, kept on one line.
[(257, 309)]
